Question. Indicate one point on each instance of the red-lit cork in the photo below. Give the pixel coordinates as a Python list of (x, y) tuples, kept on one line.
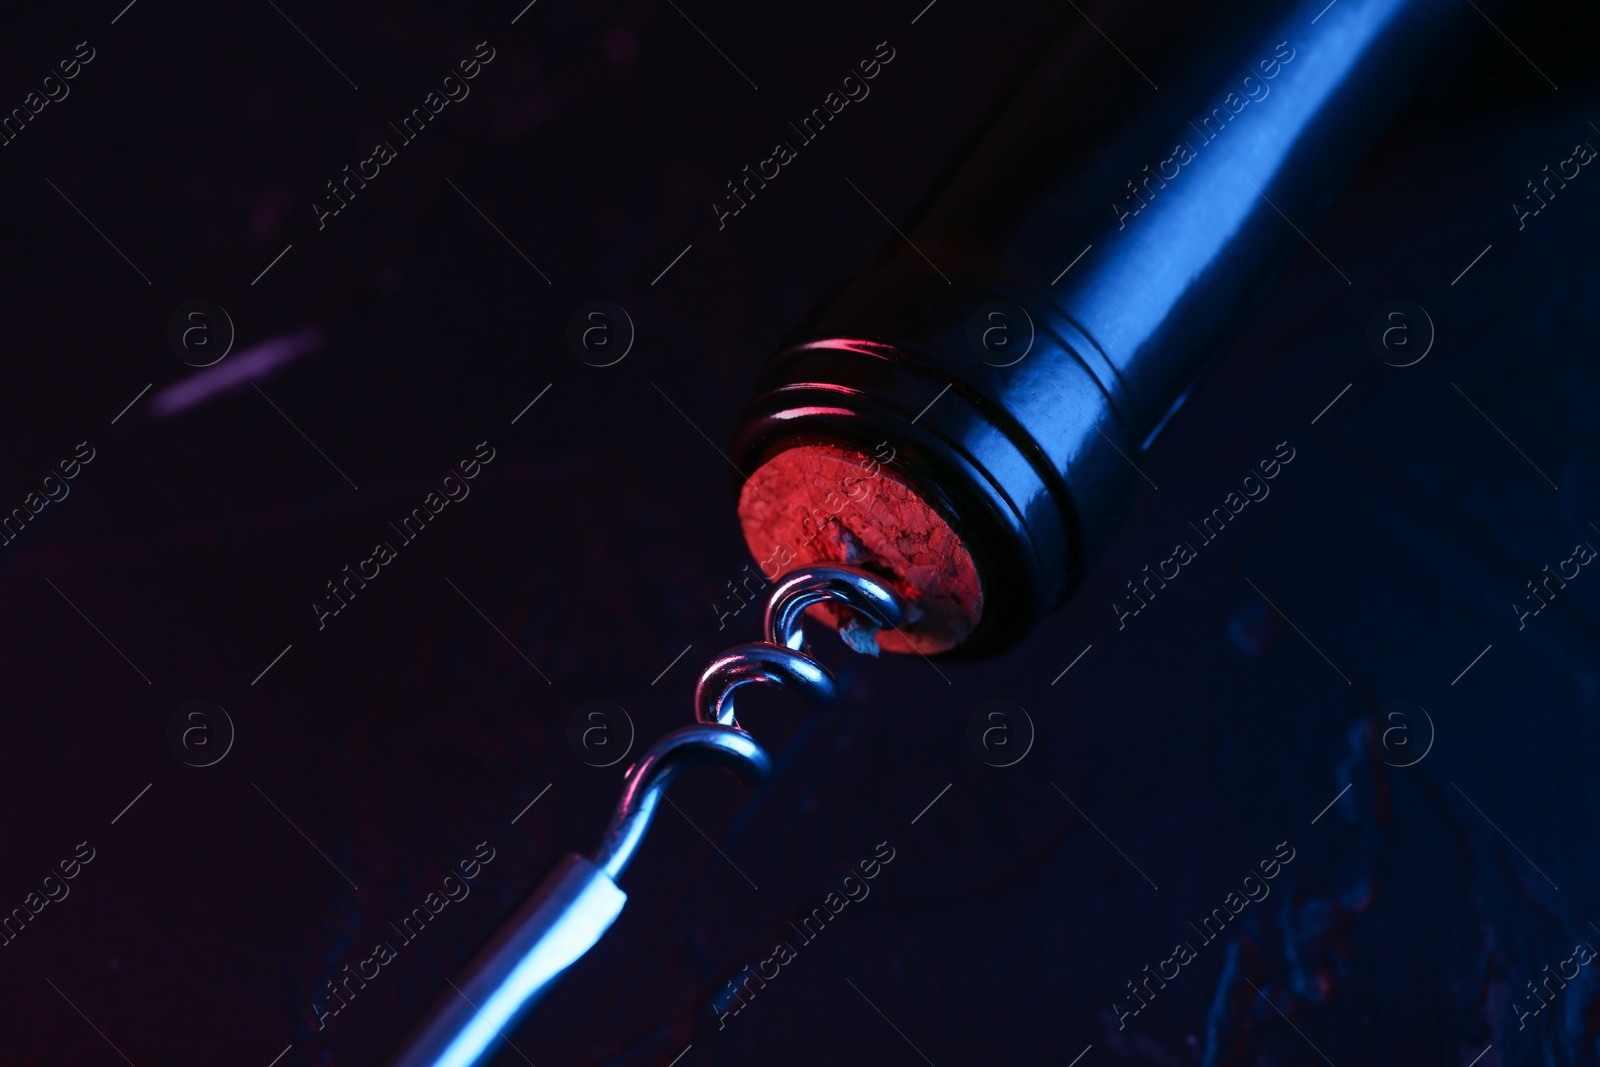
[(824, 504)]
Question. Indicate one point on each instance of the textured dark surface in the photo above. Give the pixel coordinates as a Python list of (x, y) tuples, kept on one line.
[(603, 532)]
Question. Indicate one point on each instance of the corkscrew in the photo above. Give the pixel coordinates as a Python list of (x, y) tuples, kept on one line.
[(567, 914)]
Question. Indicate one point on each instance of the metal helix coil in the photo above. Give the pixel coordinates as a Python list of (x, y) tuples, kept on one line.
[(779, 660), (720, 739)]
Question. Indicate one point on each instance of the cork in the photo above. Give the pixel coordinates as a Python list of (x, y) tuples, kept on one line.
[(825, 504)]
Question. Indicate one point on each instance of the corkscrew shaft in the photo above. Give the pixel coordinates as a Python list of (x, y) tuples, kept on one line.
[(557, 923)]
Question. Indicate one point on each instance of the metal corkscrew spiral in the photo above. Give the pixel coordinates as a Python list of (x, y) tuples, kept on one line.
[(578, 901)]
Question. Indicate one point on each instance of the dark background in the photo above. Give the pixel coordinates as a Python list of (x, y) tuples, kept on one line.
[(602, 534)]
